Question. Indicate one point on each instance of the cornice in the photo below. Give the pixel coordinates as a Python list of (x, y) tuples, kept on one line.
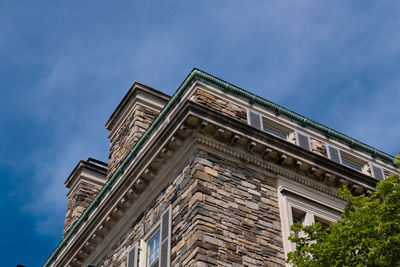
[(275, 169)]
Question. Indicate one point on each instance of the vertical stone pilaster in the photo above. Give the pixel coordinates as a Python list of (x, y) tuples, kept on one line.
[(84, 183), (133, 116)]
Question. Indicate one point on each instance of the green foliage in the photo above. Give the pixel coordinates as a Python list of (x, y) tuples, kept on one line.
[(368, 233)]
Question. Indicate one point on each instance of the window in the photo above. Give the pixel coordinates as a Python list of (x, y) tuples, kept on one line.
[(325, 223), (351, 164), (133, 256), (377, 172), (270, 127), (335, 154), (298, 216), (298, 203), (303, 140), (153, 249), (256, 120)]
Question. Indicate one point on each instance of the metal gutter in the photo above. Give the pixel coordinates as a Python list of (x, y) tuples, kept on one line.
[(198, 74)]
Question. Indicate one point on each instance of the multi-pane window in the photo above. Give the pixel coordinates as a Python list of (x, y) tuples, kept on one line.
[(153, 249), (305, 205), (339, 156)]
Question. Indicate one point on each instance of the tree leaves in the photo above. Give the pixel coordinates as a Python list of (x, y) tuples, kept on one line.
[(368, 233)]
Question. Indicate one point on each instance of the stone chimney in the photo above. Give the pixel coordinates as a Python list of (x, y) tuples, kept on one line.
[(133, 116), (84, 183)]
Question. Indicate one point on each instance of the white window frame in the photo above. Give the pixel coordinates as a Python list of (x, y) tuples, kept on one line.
[(329, 152), (143, 245), (291, 195), (308, 137)]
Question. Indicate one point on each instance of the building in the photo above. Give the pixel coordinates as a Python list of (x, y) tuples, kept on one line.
[(211, 176)]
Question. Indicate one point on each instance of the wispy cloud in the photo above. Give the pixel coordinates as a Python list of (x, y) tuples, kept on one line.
[(65, 69), (280, 50)]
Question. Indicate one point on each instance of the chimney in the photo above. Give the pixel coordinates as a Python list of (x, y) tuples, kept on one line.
[(137, 110), (84, 183)]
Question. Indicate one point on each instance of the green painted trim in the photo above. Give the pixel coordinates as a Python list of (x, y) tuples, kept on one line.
[(301, 120), (198, 74)]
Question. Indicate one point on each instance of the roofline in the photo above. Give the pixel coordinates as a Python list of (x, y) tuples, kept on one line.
[(228, 87), (300, 119)]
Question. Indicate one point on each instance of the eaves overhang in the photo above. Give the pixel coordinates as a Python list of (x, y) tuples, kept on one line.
[(260, 142), (198, 75)]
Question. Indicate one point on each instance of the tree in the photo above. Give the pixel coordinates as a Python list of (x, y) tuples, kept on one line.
[(368, 233)]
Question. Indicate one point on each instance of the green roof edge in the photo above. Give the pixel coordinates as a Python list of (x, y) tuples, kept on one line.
[(196, 73), (301, 120)]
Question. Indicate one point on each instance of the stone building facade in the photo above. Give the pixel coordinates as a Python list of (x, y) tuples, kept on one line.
[(210, 176)]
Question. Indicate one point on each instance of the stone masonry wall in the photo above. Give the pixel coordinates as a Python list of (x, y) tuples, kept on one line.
[(318, 147), (78, 201), (224, 214), (128, 134), (239, 224), (222, 105), (181, 194)]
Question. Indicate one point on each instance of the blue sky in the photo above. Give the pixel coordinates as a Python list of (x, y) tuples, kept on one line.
[(65, 66)]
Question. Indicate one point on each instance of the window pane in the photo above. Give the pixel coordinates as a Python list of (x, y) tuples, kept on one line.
[(351, 164), (325, 223), (298, 216), (153, 247), (273, 131)]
